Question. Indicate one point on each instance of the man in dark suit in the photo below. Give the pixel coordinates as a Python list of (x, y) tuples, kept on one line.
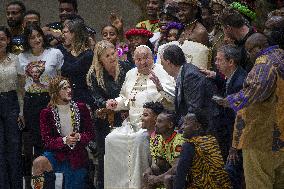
[(193, 90), (228, 63)]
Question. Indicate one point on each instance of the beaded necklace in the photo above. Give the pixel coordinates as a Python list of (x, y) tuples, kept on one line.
[(75, 117)]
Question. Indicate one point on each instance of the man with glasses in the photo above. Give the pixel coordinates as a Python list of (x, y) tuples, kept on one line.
[(15, 11)]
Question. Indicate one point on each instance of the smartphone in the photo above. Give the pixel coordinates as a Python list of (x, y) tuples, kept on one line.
[(217, 98)]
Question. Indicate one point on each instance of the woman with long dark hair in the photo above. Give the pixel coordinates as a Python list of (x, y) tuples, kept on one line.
[(78, 61), (10, 135), (37, 65)]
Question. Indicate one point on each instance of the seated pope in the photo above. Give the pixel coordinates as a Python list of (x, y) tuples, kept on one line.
[(127, 153)]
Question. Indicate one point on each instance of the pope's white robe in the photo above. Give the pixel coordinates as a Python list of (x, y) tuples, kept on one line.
[(127, 153)]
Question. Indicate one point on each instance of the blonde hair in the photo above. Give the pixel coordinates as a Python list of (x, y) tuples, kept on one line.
[(97, 66), (55, 84)]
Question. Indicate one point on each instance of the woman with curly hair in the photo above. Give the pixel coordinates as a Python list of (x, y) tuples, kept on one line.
[(105, 79)]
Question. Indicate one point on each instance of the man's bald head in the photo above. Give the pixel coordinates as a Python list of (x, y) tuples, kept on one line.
[(258, 39), (255, 43), (274, 29)]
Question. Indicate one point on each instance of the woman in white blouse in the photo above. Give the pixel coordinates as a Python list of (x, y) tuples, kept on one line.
[(10, 134), (37, 65)]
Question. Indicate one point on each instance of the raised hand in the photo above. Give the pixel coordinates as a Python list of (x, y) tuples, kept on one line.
[(116, 21), (156, 81)]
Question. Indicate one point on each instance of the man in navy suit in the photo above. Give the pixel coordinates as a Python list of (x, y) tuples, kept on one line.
[(194, 90), (228, 63)]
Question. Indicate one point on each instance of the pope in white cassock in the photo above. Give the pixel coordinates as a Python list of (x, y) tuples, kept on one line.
[(127, 153)]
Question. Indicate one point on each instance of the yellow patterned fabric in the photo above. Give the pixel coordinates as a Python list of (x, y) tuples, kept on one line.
[(261, 104), (155, 146), (207, 170), (151, 25), (167, 149)]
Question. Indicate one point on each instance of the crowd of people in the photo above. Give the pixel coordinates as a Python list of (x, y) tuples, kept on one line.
[(192, 97)]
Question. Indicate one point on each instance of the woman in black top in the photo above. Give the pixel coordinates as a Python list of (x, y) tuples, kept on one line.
[(105, 79), (78, 61)]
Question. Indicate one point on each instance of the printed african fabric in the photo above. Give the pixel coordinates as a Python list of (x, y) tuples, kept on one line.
[(207, 170), (168, 149), (262, 102)]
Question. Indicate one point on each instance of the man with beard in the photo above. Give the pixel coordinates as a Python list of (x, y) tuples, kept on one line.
[(15, 11)]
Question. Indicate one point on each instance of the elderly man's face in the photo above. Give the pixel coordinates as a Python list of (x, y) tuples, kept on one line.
[(144, 61), (223, 65)]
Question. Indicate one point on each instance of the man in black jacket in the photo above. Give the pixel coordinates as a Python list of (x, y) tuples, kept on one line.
[(193, 90)]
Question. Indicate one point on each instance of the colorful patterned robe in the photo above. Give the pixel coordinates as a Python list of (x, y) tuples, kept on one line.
[(260, 123)]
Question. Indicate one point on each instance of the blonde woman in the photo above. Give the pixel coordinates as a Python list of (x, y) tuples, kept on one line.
[(105, 79)]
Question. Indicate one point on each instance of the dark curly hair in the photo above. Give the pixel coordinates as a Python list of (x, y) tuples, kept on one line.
[(156, 107), (27, 34), (171, 115)]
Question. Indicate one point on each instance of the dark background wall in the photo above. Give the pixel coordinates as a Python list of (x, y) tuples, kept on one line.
[(95, 12)]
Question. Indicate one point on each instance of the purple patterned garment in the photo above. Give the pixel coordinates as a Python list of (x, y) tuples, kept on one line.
[(265, 78), (260, 82)]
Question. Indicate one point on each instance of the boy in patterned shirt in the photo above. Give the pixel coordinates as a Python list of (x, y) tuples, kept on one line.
[(165, 150)]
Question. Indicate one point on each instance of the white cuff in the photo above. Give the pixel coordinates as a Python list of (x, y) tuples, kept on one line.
[(64, 139)]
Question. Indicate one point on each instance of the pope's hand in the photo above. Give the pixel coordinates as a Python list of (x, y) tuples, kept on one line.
[(156, 81), (111, 104)]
